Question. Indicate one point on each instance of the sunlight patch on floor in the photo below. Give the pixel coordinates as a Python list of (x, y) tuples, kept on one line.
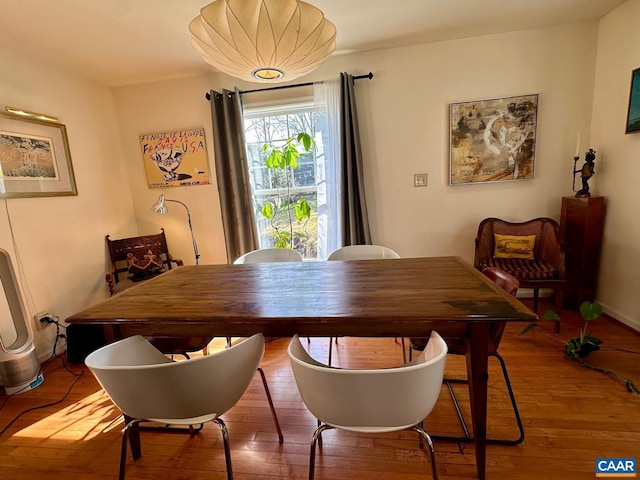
[(83, 420)]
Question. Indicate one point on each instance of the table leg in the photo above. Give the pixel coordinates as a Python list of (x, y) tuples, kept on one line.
[(111, 333), (477, 368)]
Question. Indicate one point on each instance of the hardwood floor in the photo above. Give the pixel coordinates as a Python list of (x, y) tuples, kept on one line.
[(571, 416)]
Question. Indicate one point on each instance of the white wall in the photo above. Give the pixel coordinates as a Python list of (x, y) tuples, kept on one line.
[(163, 107), (617, 162), (60, 240), (404, 118)]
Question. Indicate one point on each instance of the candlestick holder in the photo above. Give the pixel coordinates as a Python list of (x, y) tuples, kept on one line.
[(586, 172)]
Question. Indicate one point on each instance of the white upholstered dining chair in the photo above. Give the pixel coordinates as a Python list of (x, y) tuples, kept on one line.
[(269, 255), (371, 400), (149, 387), (363, 252)]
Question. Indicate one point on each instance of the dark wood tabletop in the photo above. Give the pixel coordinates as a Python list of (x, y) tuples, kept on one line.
[(405, 297), (391, 297)]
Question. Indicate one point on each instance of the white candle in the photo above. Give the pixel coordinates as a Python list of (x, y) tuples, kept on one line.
[(578, 146)]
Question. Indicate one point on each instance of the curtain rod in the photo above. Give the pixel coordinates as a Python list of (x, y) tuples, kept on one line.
[(282, 87)]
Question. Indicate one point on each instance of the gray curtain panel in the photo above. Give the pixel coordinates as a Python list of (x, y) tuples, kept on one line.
[(355, 229), (232, 174)]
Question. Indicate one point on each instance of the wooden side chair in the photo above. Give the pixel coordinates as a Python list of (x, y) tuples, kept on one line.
[(136, 259), (530, 251)]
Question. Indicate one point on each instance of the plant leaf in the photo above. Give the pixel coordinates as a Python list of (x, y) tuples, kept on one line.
[(268, 210), (551, 315), (571, 348), (590, 311), (528, 328), (290, 154), (306, 140), (590, 339), (275, 159), (303, 210)]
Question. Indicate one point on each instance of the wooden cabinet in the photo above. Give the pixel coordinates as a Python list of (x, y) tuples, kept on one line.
[(581, 229)]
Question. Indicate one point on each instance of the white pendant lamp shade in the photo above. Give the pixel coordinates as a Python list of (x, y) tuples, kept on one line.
[(263, 40)]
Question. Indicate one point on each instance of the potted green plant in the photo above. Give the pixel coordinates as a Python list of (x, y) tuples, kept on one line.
[(282, 161), (578, 348)]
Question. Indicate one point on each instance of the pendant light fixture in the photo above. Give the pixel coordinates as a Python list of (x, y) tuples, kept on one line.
[(263, 40)]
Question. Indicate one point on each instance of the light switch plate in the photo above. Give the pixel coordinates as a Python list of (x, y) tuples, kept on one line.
[(419, 179)]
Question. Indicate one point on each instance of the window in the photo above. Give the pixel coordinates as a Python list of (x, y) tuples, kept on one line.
[(285, 188)]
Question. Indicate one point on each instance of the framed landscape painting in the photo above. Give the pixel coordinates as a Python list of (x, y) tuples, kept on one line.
[(633, 115), (34, 158), (493, 140)]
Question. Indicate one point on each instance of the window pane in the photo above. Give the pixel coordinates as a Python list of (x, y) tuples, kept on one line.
[(283, 190)]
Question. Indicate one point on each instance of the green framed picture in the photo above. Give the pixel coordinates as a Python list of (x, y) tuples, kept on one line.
[(633, 115)]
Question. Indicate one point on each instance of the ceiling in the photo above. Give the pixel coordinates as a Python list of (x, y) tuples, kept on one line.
[(121, 42)]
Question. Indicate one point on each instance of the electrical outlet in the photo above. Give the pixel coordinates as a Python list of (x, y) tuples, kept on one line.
[(420, 180), (38, 317)]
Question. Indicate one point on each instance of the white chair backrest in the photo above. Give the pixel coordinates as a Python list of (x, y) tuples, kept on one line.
[(370, 400), (269, 255), (143, 383), (362, 252)]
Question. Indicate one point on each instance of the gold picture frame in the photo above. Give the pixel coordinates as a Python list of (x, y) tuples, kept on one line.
[(35, 160)]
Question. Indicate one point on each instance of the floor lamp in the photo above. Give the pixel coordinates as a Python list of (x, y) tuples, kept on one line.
[(160, 207)]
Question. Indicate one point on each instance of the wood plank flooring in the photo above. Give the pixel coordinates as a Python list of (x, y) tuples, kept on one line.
[(571, 415)]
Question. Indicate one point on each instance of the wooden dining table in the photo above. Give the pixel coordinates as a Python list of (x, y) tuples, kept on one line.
[(405, 297)]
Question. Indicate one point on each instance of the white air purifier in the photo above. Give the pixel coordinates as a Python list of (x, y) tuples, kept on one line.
[(19, 367)]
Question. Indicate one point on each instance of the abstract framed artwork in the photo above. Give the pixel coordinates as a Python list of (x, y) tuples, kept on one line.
[(493, 140), (175, 159), (34, 158), (633, 114)]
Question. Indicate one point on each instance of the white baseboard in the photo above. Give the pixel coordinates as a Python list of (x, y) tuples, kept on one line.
[(60, 347), (628, 321), (528, 293)]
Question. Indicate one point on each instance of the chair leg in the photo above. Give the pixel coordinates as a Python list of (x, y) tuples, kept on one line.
[(273, 410), (536, 291), (123, 454), (432, 452), (227, 449), (330, 350), (312, 453), (559, 298), (456, 405), (467, 435), (131, 423), (404, 349), (514, 404)]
